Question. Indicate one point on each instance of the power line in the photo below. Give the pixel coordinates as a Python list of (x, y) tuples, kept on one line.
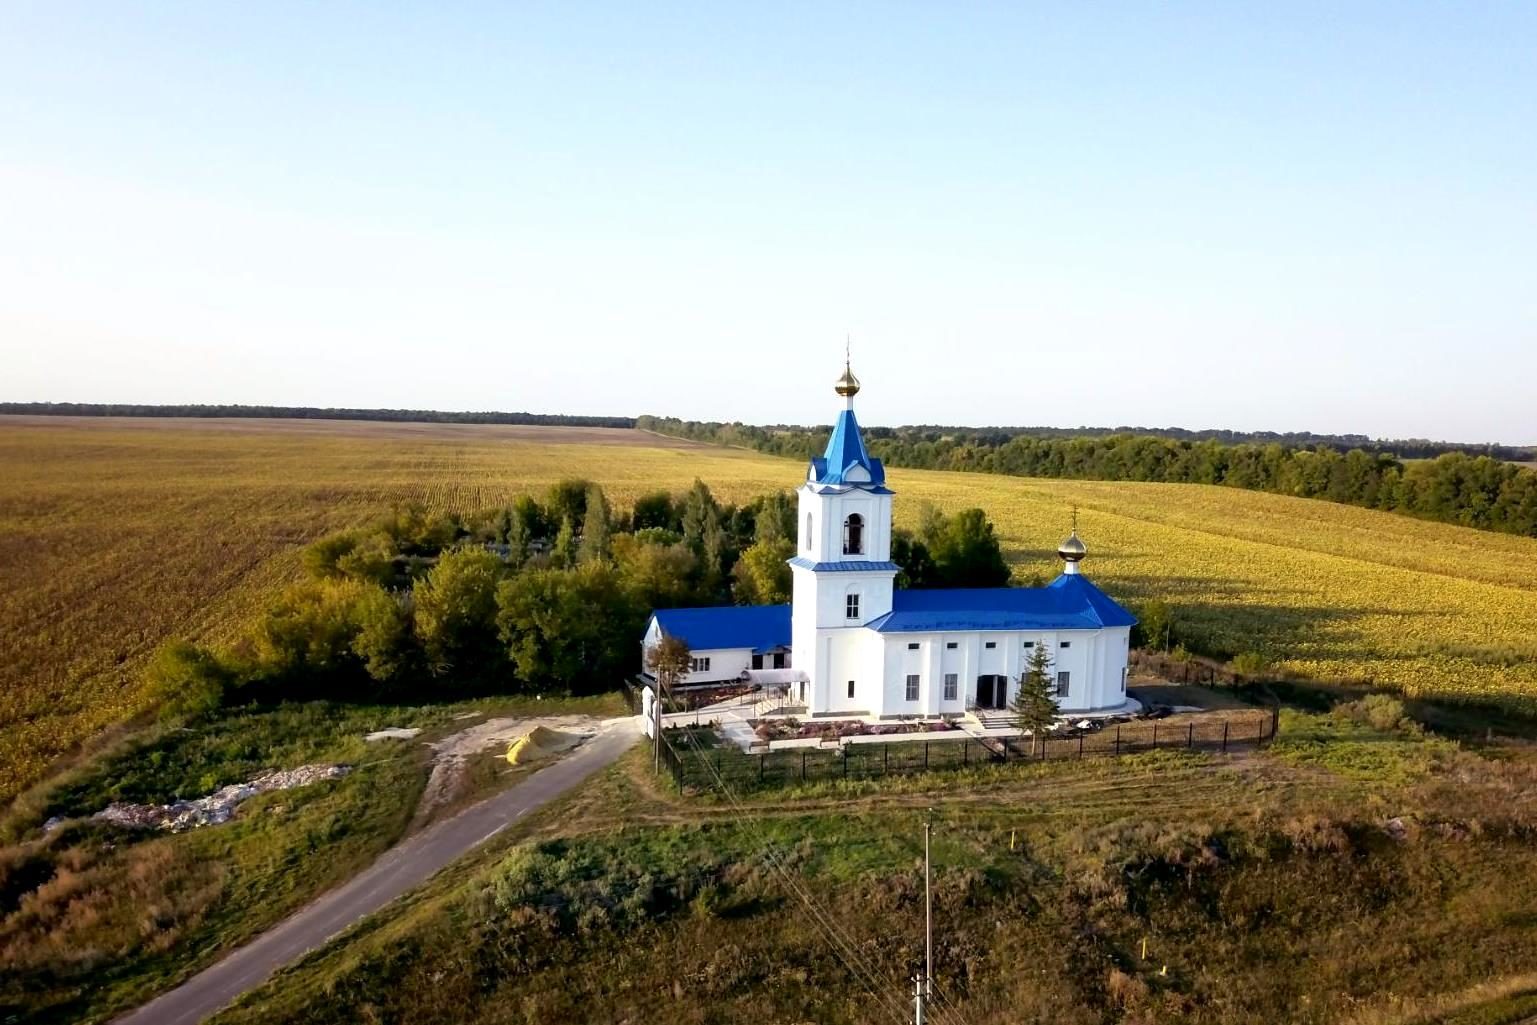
[(843, 948), (842, 944)]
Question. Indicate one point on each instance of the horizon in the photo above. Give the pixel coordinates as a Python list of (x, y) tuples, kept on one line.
[(1149, 429), (1295, 221)]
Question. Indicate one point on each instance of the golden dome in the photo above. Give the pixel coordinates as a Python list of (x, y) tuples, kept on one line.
[(848, 384), (1072, 549)]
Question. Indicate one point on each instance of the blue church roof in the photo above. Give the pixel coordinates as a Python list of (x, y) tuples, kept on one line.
[(1069, 602), (759, 627), (846, 450)]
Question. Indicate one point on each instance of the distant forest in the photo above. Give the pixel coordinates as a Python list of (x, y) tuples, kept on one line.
[(1435, 481), (429, 416), (1472, 485)]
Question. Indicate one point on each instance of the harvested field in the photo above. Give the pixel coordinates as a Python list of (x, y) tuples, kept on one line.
[(118, 533)]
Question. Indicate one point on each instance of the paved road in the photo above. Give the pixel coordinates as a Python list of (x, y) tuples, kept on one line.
[(401, 868)]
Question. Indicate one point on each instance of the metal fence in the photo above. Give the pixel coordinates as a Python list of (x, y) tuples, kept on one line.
[(705, 765)]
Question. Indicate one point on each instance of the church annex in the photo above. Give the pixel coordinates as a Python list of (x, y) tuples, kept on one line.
[(851, 644)]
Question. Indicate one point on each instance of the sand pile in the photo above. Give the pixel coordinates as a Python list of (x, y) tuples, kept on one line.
[(540, 742)]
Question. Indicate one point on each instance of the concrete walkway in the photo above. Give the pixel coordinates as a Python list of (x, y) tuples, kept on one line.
[(402, 868)]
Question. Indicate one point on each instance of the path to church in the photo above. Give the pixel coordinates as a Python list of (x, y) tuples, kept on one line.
[(402, 868)]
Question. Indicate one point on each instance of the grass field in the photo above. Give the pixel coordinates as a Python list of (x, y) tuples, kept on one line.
[(115, 534), (1365, 880)]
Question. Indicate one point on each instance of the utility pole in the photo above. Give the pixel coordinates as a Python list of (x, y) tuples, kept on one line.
[(923, 985)]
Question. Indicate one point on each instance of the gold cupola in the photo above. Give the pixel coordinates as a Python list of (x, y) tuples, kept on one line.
[(848, 384)]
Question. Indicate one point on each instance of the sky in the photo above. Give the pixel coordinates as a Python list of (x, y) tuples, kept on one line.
[(1258, 217)]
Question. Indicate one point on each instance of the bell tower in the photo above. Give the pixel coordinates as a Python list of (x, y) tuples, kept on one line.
[(842, 570)]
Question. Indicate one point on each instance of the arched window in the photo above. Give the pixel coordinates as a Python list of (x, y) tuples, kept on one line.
[(854, 535), (808, 532)]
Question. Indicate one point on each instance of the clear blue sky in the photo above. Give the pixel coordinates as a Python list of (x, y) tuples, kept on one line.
[(1282, 216)]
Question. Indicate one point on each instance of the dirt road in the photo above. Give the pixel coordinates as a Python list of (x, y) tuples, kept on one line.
[(401, 869)]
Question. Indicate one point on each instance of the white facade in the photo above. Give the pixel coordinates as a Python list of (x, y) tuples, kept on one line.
[(861, 648)]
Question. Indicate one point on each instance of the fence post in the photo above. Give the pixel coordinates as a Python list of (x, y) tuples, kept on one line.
[(1190, 736), (1155, 734), (761, 759), (965, 753), (1118, 742), (1080, 747), (885, 759), (925, 755), (1224, 736), (845, 762), (717, 763), (803, 765)]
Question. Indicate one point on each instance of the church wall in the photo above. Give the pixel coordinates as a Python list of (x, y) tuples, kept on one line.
[(828, 510)]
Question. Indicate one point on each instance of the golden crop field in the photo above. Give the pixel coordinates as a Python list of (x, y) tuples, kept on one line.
[(116, 534)]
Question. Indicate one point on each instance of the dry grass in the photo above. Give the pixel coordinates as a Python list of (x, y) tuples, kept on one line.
[(115, 534)]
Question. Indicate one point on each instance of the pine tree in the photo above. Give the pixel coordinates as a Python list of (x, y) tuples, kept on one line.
[(596, 528), (563, 554), (1034, 706)]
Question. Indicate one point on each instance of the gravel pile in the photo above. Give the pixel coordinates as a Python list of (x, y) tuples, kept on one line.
[(218, 806)]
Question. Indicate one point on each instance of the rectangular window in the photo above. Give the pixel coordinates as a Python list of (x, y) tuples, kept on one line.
[(992, 644), (951, 645), (851, 607), (952, 686), (1063, 680), (1123, 681), (851, 688), (1029, 644), (699, 665), (757, 661), (1067, 644), (779, 660), (912, 688), (913, 646)]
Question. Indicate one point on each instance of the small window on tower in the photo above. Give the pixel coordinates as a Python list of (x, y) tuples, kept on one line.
[(851, 607), (851, 688)]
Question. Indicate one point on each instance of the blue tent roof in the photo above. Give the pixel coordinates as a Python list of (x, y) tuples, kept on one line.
[(759, 627), (846, 450), (1069, 602)]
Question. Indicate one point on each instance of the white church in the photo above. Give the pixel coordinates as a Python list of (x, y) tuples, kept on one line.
[(851, 644)]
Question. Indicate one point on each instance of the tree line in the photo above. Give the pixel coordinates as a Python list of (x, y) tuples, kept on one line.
[(431, 416), (543, 595), (787, 439), (1481, 490)]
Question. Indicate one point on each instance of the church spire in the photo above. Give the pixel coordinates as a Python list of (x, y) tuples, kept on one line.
[(846, 460)]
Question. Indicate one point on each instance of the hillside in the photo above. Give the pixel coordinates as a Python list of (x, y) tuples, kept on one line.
[(115, 534)]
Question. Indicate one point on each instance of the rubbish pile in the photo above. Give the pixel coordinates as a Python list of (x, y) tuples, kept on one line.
[(218, 806)]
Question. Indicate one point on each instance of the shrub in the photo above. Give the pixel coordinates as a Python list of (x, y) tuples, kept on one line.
[(187, 681), (1250, 663), (1379, 711)]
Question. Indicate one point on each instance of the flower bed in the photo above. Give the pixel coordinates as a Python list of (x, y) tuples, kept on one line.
[(837, 729)]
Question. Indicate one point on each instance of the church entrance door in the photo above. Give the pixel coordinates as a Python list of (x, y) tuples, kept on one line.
[(992, 691)]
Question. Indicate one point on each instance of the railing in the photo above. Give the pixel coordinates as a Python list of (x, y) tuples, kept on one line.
[(709, 768)]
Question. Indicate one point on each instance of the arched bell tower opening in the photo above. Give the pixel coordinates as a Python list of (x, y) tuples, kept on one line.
[(854, 535)]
